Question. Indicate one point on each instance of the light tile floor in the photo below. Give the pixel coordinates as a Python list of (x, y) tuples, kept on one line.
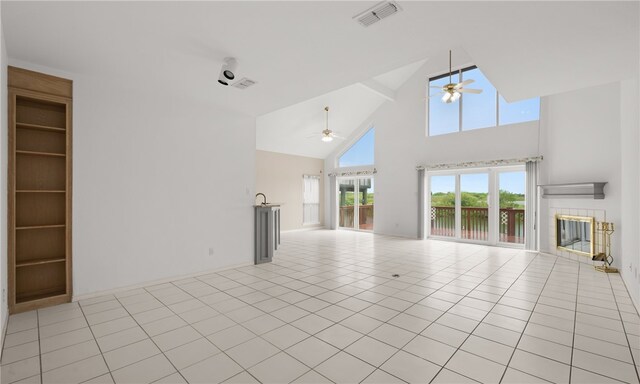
[(328, 310)]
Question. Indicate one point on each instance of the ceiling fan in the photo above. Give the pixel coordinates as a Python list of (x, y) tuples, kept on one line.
[(327, 135), (451, 92)]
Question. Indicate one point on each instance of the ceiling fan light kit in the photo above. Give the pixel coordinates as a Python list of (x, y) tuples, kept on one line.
[(327, 134), (453, 91)]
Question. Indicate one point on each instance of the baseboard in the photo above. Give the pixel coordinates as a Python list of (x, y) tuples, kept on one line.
[(394, 235), (310, 228), (156, 282)]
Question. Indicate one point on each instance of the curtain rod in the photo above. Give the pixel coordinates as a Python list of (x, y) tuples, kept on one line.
[(355, 173), (477, 164)]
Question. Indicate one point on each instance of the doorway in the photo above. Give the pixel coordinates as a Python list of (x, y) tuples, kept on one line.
[(355, 203), (485, 206)]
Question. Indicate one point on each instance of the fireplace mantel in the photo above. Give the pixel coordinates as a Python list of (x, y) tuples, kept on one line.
[(590, 190)]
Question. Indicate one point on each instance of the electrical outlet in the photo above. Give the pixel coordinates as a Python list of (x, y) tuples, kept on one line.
[(210, 251)]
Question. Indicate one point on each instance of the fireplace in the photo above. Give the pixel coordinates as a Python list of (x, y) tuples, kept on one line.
[(576, 234)]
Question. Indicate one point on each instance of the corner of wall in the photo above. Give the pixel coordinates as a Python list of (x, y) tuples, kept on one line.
[(4, 309)]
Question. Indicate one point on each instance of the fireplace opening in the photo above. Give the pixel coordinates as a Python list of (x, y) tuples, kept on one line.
[(576, 234)]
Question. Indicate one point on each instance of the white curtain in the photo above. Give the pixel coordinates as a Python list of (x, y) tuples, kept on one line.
[(531, 202), (311, 200), (333, 224), (421, 207)]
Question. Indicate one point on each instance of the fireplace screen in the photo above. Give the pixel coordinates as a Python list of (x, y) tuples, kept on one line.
[(575, 234)]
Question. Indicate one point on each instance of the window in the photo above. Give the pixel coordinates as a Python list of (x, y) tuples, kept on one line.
[(476, 111), (311, 200), (360, 153)]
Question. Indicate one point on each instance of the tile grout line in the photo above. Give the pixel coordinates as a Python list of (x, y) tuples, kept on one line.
[(151, 339), (39, 346), (205, 337), (480, 322), (528, 320), (442, 314), (97, 345), (615, 300), (417, 303), (575, 320)]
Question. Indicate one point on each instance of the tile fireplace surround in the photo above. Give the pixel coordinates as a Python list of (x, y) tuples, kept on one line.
[(598, 214)]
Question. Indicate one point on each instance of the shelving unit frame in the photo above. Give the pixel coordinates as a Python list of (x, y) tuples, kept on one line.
[(39, 190)]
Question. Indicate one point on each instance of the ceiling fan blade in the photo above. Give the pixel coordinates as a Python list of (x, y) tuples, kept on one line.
[(462, 84), (468, 90), (435, 86)]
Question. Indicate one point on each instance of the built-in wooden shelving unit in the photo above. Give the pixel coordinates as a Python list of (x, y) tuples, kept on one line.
[(39, 190)]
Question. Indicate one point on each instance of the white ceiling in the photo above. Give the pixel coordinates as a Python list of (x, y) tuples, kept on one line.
[(296, 129), (298, 51)]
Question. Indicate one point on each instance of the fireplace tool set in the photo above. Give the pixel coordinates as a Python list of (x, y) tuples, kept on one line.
[(604, 230)]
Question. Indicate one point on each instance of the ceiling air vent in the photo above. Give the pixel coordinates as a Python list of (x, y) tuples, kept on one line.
[(377, 13), (243, 83)]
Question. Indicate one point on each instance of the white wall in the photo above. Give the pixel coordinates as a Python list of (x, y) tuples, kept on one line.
[(585, 135), (158, 179), (581, 131), (630, 172), (401, 144), (279, 177), (4, 310)]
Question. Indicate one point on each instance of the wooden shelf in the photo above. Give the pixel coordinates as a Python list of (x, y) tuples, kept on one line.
[(40, 262), (41, 226), (40, 191), (41, 127), (32, 153), (47, 294)]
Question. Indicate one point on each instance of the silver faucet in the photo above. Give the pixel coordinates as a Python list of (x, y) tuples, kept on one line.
[(264, 202)]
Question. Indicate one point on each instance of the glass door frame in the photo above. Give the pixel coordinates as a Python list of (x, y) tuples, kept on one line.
[(498, 171), (356, 201), (493, 200)]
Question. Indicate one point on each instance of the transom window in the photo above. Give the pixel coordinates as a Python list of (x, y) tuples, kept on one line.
[(360, 153), (476, 111)]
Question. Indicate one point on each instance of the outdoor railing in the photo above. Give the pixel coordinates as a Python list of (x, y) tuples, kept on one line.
[(475, 223), (365, 216)]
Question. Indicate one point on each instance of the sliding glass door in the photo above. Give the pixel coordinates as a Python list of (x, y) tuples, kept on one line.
[(511, 185), (474, 206), (483, 206), (355, 203), (443, 206), (346, 205)]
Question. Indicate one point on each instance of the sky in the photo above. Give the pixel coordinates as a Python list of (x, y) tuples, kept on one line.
[(361, 153), (478, 110), (478, 182)]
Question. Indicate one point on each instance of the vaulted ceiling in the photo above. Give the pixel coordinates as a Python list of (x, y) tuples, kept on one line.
[(299, 51)]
